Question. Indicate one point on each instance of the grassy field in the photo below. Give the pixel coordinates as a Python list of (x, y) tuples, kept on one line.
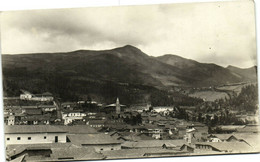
[(225, 91), (209, 95)]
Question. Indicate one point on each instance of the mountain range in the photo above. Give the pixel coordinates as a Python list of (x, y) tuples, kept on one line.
[(123, 65)]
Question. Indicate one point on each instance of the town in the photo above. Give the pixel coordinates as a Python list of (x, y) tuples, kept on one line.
[(40, 127)]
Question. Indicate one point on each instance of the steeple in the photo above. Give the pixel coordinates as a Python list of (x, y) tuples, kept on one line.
[(117, 106)]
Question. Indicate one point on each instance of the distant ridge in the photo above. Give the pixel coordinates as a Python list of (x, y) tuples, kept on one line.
[(88, 71)]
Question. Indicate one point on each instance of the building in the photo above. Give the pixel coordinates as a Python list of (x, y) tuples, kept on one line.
[(33, 134), (50, 152), (153, 144), (100, 142), (190, 134), (115, 107), (159, 109), (227, 147), (96, 123), (26, 95), (48, 108), (72, 115), (37, 119), (47, 96), (11, 120)]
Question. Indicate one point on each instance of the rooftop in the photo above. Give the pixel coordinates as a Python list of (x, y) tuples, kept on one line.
[(153, 143), (92, 139), (229, 146), (22, 129), (137, 153), (77, 129)]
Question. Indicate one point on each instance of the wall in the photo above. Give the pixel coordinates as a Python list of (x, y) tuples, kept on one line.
[(35, 138)]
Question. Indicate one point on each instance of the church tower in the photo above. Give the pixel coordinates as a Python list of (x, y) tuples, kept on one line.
[(117, 106)]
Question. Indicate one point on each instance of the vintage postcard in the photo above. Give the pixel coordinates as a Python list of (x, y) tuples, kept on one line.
[(128, 82)]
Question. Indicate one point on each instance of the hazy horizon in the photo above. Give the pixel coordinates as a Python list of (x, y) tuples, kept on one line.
[(222, 33)]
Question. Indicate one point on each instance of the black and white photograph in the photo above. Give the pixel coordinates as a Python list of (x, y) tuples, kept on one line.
[(130, 82)]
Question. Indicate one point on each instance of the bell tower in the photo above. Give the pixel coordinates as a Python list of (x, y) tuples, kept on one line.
[(117, 106)]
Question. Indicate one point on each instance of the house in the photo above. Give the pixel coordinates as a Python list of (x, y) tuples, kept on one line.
[(51, 152), (77, 129), (153, 144), (230, 147), (141, 153), (96, 123), (159, 109), (11, 120), (48, 108), (26, 95), (75, 153), (32, 111), (219, 137), (47, 96), (252, 139), (71, 115), (37, 119), (187, 148), (33, 134), (140, 107), (100, 142), (14, 119), (68, 105)]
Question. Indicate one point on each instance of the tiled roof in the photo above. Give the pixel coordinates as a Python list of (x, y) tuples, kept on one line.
[(60, 151), (72, 111), (76, 154), (33, 111), (221, 136), (20, 148), (77, 129), (21, 129), (253, 139), (91, 122), (92, 139), (136, 153), (228, 146), (152, 143)]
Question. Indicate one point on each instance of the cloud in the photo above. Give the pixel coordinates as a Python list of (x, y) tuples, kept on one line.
[(207, 32)]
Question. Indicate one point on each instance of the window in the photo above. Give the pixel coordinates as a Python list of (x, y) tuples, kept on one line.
[(112, 149), (18, 138), (8, 139), (101, 149), (29, 138), (45, 137), (56, 139)]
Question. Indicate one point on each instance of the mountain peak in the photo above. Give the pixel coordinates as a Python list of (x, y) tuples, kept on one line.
[(129, 46)]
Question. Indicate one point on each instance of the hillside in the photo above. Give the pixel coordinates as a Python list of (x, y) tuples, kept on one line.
[(247, 74), (125, 71), (203, 74)]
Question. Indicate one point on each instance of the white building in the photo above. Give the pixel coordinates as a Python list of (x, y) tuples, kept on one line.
[(11, 120), (36, 97), (33, 134), (159, 109), (72, 115), (26, 95)]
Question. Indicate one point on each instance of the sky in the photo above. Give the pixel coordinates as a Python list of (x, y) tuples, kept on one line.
[(221, 32)]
